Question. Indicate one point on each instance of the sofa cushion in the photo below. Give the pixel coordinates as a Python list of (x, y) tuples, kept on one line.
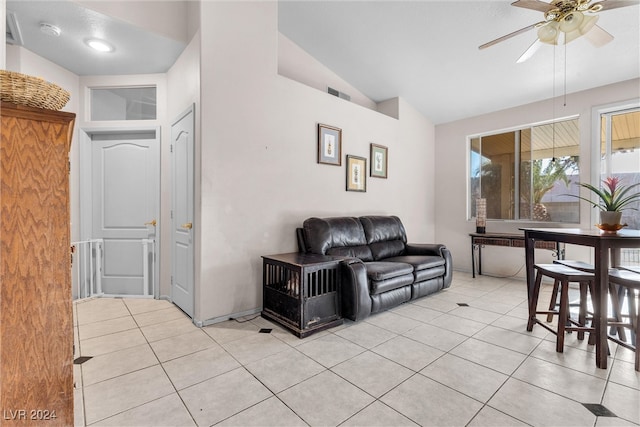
[(383, 228), (425, 266), (419, 262), (429, 273), (362, 252), (386, 249), (382, 270), (325, 234), (382, 286), (386, 276)]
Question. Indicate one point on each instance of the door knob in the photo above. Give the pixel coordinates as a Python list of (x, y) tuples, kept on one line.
[(152, 222), (187, 225)]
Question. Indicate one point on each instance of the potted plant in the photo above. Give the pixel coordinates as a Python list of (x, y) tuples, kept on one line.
[(613, 198)]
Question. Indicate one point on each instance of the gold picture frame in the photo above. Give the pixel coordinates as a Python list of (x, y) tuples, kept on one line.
[(356, 173)]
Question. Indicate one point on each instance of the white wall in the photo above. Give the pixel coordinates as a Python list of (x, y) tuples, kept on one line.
[(260, 178), (296, 64), (452, 173)]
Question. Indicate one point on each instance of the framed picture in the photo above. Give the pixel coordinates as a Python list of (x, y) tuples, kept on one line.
[(356, 173), (379, 161), (329, 145)]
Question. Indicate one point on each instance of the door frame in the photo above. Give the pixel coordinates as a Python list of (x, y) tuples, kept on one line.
[(86, 194), (594, 144)]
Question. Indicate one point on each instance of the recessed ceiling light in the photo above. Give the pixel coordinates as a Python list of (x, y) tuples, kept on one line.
[(100, 45), (50, 29)]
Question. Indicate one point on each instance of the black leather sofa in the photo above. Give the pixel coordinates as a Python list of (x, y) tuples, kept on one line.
[(380, 269)]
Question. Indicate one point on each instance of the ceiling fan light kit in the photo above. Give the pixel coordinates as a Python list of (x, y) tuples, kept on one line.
[(565, 21), (549, 33)]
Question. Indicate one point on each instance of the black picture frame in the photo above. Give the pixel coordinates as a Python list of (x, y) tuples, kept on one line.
[(379, 158)]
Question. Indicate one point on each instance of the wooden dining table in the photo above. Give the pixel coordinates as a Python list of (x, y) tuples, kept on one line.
[(603, 244)]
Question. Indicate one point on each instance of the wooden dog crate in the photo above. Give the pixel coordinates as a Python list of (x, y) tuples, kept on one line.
[(302, 291)]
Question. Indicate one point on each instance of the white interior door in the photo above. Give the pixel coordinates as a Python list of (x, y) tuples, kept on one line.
[(182, 231), (125, 182)]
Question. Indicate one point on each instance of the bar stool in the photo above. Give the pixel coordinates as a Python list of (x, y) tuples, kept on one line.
[(578, 265), (562, 276), (615, 294), (629, 282)]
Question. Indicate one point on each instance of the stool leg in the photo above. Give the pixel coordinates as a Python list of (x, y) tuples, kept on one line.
[(582, 311), (562, 315), (554, 300), (592, 335), (615, 308), (534, 302), (634, 315)]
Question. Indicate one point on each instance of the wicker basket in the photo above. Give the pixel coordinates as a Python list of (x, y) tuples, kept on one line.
[(31, 91)]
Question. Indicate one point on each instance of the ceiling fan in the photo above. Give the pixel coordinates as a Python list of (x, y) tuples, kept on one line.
[(565, 21)]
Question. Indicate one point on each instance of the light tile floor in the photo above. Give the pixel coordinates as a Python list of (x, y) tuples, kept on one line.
[(429, 362)]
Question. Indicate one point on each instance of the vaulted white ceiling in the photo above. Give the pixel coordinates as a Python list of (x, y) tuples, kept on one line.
[(427, 52), (424, 51)]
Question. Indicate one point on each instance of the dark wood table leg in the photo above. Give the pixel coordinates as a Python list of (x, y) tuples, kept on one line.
[(601, 263), (473, 257), (529, 245)]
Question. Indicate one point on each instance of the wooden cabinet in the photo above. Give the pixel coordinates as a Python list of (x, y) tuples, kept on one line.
[(36, 322)]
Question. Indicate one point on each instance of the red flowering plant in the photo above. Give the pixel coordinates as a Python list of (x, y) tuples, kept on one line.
[(613, 196)]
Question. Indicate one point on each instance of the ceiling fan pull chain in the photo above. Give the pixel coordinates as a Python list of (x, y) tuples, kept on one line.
[(565, 76), (553, 128)]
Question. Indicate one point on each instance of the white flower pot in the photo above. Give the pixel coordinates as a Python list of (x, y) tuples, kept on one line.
[(610, 218)]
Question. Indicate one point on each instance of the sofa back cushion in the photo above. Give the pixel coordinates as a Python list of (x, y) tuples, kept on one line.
[(339, 236), (385, 235)]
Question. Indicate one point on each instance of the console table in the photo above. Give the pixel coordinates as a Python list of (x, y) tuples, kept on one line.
[(478, 240), (302, 291)]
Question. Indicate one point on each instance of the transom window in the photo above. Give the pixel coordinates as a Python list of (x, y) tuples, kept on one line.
[(123, 103), (527, 173)]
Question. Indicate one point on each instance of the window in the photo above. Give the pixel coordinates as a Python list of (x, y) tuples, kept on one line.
[(620, 157), (123, 103), (528, 173)]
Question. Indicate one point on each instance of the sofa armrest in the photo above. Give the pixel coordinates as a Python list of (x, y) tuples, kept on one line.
[(434, 249), (424, 249), (356, 302)]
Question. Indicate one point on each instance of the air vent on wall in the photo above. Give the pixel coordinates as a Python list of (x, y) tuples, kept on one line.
[(339, 94), (13, 35)]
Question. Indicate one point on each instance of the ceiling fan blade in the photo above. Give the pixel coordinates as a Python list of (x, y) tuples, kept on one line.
[(530, 51), (598, 36), (508, 36), (614, 4), (532, 4)]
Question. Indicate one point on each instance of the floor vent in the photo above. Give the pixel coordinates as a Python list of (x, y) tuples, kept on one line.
[(80, 360), (463, 304), (599, 410), (265, 330)]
